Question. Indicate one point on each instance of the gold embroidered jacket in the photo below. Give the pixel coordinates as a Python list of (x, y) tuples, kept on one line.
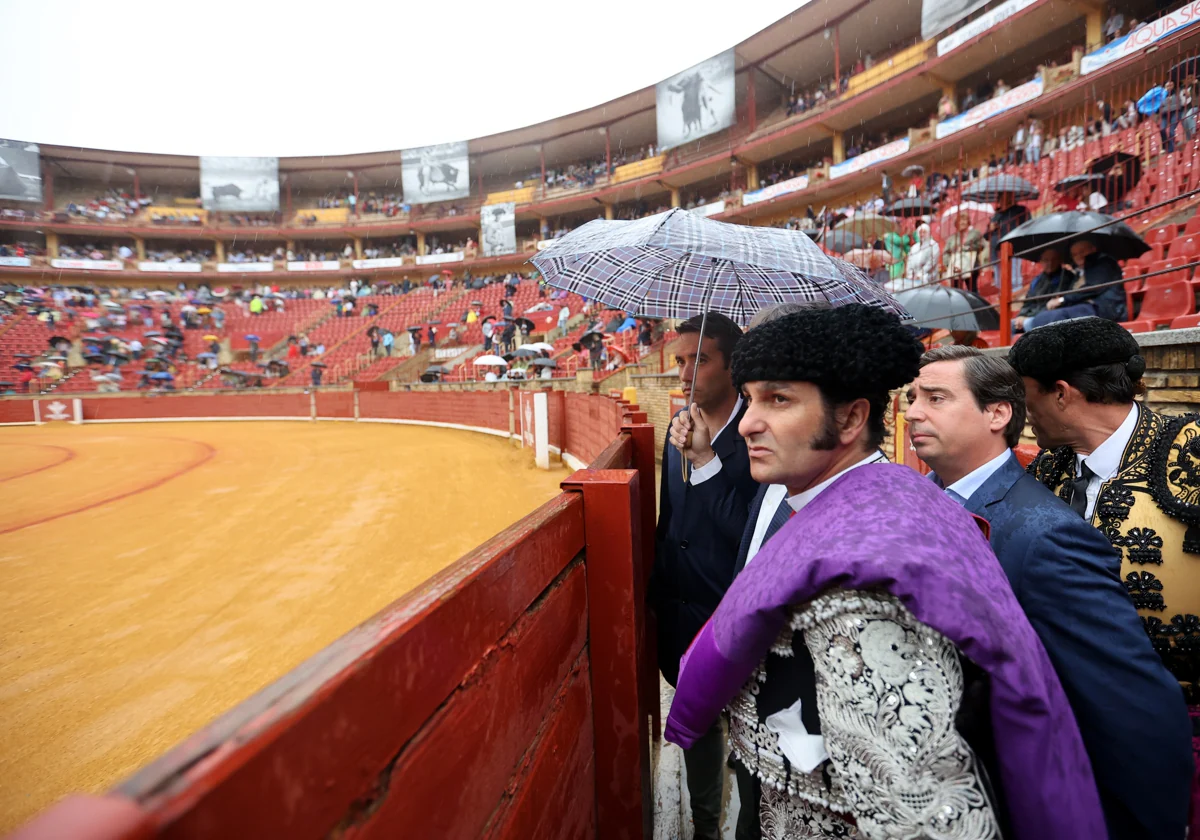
[(1151, 513)]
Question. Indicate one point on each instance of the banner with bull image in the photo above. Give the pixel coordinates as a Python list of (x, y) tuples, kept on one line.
[(697, 102), (498, 223), (436, 173), (239, 184), (20, 171)]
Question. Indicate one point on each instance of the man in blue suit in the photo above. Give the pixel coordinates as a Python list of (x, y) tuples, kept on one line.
[(966, 412)]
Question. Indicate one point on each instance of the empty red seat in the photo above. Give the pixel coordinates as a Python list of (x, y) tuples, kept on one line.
[(1185, 321), (1138, 326), (1162, 304)]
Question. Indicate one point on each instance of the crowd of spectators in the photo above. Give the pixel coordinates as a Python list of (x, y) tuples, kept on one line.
[(249, 255), (21, 248), (171, 255), (253, 219), (114, 205), (389, 204), (90, 251), (385, 250), (177, 218)]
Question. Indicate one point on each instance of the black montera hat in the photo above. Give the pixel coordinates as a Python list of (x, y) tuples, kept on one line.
[(1057, 350), (848, 352)]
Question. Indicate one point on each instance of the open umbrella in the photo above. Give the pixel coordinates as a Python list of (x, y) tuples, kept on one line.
[(541, 345), (153, 333), (946, 308), (870, 226), (206, 355), (158, 339), (490, 360), (591, 339), (913, 169), (94, 359), (57, 339), (112, 304), (1071, 182), (253, 338), (415, 329), (524, 352), (1121, 172), (546, 363), (1114, 238), (1151, 100), (319, 364), (909, 208), (438, 369), (993, 187), (206, 338), (841, 241), (524, 324), (162, 376), (22, 355), (57, 358), (869, 259)]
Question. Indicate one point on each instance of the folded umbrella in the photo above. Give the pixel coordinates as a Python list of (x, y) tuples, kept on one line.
[(946, 308), (1114, 238)]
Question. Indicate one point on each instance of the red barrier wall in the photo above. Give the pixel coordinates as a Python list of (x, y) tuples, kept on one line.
[(16, 411), (334, 404), (254, 404), (507, 697)]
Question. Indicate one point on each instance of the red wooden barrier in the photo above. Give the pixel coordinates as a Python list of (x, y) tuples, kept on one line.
[(504, 698)]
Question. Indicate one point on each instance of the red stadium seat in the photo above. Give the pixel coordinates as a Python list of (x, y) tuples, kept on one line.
[(1193, 226), (1162, 304), (1185, 321), (1138, 326)]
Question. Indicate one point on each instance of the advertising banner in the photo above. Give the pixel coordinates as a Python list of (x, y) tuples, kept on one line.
[(314, 265), (16, 262), (1155, 30), (179, 267), (986, 110), (866, 159), (242, 268), (710, 209), (988, 20), (434, 259), (791, 185), (498, 224), (20, 171), (380, 262), (938, 15), (436, 173), (89, 265), (239, 184), (697, 102)]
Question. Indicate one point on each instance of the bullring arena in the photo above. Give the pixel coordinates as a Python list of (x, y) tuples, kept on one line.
[(324, 513)]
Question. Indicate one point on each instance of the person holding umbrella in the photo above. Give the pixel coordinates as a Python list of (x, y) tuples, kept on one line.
[(1008, 217), (700, 525), (1054, 279)]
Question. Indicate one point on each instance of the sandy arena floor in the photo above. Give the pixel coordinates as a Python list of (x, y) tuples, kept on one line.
[(155, 574)]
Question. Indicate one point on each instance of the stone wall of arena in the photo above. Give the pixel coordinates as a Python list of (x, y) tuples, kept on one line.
[(516, 690)]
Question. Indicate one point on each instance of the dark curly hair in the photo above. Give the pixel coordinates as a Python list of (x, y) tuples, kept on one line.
[(1097, 356), (850, 352)]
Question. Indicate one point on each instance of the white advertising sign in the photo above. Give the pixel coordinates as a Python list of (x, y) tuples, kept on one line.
[(381, 262), (791, 185), (89, 265), (314, 265), (1153, 31), (179, 267), (878, 155), (988, 20), (243, 268), (20, 262), (710, 209), (986, 110), (434, 259)]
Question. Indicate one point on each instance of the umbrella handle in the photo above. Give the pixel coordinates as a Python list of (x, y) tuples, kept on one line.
[(683, 463)]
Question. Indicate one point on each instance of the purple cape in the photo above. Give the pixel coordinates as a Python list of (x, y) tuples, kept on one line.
[(885, 527)]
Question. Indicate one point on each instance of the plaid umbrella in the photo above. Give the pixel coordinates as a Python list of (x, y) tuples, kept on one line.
[(677, 264)]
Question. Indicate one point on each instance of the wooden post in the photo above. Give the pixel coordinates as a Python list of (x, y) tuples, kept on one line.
[(1006, 279), (616, 615), (641, 432)]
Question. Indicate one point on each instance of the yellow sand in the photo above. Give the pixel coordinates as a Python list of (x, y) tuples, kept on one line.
[(127, 626)]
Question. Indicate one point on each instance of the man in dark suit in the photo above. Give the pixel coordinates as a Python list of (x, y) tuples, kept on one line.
[(966, 412), (700, 524)]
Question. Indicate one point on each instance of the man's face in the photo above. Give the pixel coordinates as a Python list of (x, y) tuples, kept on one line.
[(1051, 261), (713, 382), (1080, 251), (947, 428), (786, 427), (1045, 416)]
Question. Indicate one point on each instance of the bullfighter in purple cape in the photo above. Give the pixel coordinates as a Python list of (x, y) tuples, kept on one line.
[(880, 677)]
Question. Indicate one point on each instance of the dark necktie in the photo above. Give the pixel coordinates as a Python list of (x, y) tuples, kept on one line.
[(1079, 489)]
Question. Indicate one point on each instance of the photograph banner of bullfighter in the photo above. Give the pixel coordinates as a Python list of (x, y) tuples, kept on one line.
[(697, 102), (239, 184), (499, 228), (20, 171), (436, 173)]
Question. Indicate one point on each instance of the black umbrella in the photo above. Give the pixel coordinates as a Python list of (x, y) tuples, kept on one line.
[(319, 364), (440, 369), (1068, 184), (527, 353), (56, 339), (546, 363), (1189, 67), (841, 241), (591, 339), (947, 308), (477, 303), (1114, 238), (488, 319), (22, 355), (151, 334), (1121, 172), (433, 321), (415, 329), (524, 324), (812, 233), (909, 207), (94, 359), (993, 187)]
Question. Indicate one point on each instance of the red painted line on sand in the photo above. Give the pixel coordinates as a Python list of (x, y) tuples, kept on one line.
[(67, 456), (209, 452)]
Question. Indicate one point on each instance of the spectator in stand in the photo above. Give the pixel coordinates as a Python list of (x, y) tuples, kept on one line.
[(1168, 116), (964, 253), (1129, 115), (1101, 295), (389, 340), (1055, 279), (315, 372), (924, 262), (1009, 215), (564, 315), (303, 344), (1112, 26), (1033, 142), (945, 107), (1001, 88), (487, 328), (432, 335)]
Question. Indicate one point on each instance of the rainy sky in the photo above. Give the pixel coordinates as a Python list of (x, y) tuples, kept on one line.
[(242, 77)]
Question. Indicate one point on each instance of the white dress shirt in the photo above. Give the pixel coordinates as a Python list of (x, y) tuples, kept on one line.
[(775, 494), (798, 502), (1105, 461), (704, 473), (966, 486)]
